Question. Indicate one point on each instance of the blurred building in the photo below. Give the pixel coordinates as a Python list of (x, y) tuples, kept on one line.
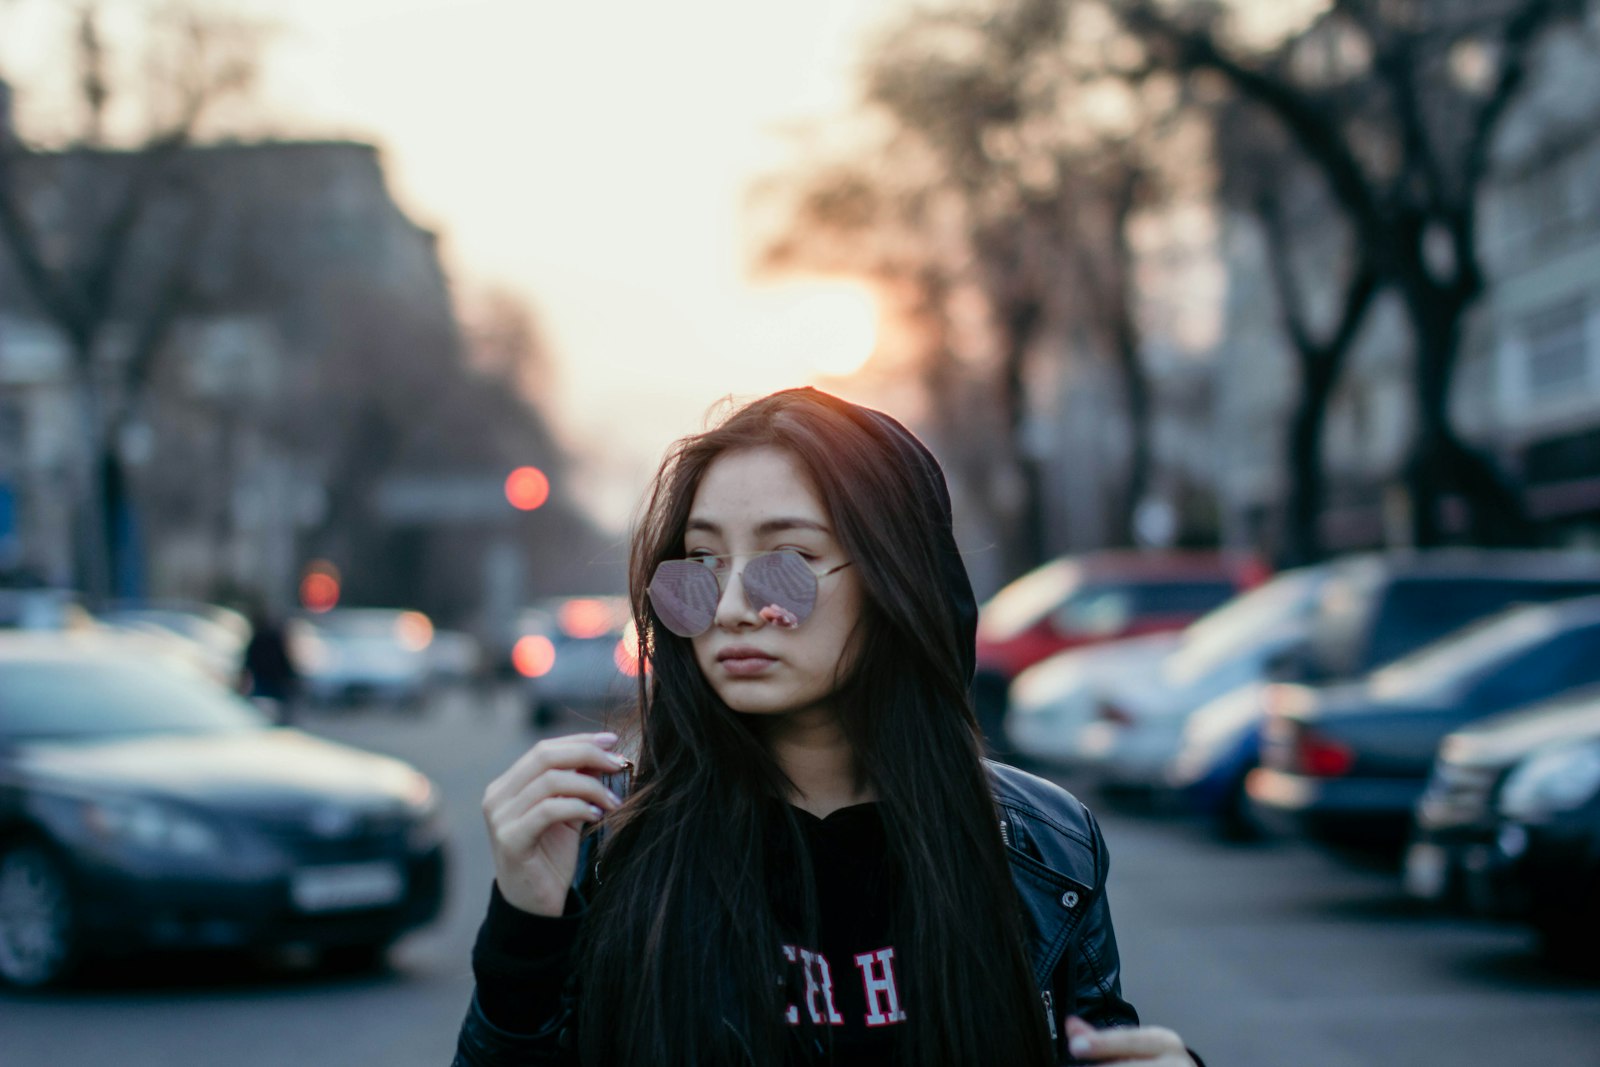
[(316, 354), (1527, 386)]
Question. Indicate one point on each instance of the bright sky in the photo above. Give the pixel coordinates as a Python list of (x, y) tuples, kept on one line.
[(592, 158)]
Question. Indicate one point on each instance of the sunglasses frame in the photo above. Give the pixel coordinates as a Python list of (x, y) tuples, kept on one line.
[(722, 588)]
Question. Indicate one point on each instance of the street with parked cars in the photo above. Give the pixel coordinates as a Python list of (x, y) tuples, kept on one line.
[(182, 878)]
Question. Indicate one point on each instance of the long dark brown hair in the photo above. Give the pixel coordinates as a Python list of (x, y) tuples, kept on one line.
[(680, 961)]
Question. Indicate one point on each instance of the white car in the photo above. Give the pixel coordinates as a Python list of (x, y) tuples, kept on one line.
[(1050, 702), (1138, 722), (355, 655), (576, 655)]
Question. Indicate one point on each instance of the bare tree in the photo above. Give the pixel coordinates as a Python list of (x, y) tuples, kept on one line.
[(997, 177), (1397, 104), (1263, 177), (103, 237)]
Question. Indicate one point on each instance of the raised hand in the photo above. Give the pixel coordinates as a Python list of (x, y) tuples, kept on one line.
[(536, 812)]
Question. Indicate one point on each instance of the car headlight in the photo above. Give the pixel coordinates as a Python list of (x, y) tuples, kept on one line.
[(151, 825), (1557, 779), (426, 811)]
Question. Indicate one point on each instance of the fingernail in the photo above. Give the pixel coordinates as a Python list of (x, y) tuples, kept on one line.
[(1080, 1046), (616, 801), (605, 739), (596, 812), (618, 762)]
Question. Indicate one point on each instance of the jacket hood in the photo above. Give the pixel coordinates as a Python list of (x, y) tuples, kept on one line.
[(935, 504)]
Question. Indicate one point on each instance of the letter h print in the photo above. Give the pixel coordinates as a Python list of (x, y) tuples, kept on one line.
[(877, 978)]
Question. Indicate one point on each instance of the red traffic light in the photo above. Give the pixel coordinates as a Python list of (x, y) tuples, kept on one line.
[(319, 588), (527, 488)]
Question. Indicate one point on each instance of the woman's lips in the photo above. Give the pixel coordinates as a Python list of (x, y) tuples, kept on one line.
[(744, 662)]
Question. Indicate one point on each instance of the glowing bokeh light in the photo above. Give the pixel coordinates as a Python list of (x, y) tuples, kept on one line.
[(413, 630), (627, 651), (586, 617), (319, 587), (534, 656), (527, 488)]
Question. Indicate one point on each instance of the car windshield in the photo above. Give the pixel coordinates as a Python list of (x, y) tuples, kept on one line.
[(1242, 624), (78, 699), (1448, 667), (1030, 598)]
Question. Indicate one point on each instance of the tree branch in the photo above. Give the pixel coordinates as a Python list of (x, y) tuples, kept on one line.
[(98, 289), (1291, 300), (1310, 123), (57, 301)]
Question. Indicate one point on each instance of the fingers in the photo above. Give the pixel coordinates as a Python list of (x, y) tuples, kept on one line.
[(574, 752), (1134, 1044), (517, 836), (556, 783)]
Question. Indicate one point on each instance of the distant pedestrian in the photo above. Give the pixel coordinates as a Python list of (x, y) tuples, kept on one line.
[(813, 864), (268, 671)]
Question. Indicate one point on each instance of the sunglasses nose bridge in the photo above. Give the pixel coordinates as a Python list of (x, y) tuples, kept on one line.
[(740, 602)]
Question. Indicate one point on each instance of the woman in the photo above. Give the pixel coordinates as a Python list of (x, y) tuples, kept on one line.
[(814, 864)]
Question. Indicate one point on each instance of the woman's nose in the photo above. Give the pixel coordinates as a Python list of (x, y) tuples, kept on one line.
[(733, 609)]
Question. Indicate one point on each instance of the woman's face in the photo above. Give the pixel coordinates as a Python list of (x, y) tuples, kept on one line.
[(760, 500)]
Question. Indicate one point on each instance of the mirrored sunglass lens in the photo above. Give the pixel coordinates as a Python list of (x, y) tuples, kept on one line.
[(781, 579), (684, 594)]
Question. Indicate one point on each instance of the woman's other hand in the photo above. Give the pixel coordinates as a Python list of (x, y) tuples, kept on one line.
[(1148, 1046), (536, 812)]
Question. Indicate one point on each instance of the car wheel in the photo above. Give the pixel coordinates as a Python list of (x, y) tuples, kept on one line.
[(1570, 942), (37, 941), (1236, 820)]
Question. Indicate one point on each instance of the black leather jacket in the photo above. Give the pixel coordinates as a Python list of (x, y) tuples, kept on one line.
[(1058, 863)]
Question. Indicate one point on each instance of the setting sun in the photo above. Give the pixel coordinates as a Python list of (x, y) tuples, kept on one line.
[(827, 328)]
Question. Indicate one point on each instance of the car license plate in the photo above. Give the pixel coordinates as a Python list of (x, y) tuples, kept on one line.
[(1426, 870), (347, 886)]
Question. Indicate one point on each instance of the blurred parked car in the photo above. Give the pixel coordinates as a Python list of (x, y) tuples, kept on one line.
[(1464, 852), (1349, 763), (355, 655), (42, 608), (142, 807), (1086, 600), (1546, 863), (1051, 700), (577, 655), (454, 656), (1136, 719), (1221, 745), (1370, 610), (217, 635)]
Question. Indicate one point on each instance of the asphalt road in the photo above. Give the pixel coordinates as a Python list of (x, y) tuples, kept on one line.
[(1258, 956)]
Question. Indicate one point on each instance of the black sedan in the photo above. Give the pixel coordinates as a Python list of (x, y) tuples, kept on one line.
[(1347, 764), (144, 807), (1458, 839), (1546, 863)]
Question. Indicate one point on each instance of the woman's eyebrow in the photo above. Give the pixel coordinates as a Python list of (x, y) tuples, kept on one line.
[(771, 526)]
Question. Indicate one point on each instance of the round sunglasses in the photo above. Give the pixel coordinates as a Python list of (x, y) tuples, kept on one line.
[(779, 586)]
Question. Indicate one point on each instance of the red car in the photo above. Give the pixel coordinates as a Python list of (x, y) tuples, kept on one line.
[(1086, 600), (1090, 599)]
